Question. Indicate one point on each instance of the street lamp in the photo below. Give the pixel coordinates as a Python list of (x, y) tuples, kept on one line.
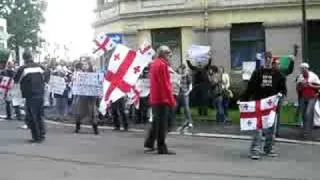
[(304, 32)]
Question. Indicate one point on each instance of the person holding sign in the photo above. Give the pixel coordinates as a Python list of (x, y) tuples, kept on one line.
[(202, 86), (7, 87), (86, 105)]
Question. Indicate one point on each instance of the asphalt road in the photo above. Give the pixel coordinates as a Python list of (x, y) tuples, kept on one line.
[(120, 156)]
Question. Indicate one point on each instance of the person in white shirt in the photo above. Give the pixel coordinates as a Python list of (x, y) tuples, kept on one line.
[(227, 94)]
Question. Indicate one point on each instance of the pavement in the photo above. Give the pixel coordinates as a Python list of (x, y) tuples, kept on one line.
[(119, 155)]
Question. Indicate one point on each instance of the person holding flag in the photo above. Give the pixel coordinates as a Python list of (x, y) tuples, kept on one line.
[(265, 82)]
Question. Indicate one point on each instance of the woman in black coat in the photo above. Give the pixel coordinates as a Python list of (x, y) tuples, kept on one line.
[(202, 86)]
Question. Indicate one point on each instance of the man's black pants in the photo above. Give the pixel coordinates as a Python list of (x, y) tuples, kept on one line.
[(159, 128), (34, 117), (118, 109)]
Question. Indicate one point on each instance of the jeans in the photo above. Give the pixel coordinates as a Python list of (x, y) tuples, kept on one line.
[(221, 105), (158, 130), (183, 100), (62, 106), (118, 109), (34, 117), (307, 107), (16, 109), (142, 113)]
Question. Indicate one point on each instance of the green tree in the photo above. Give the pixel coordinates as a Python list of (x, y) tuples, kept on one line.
[(24, 18)]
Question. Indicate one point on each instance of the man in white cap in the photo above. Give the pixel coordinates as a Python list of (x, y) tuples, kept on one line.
[(308, 84)]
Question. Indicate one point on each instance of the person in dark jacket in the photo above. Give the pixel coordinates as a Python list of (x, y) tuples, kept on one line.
[(202, 86), (264, 82), (161, 99), (32, 81)]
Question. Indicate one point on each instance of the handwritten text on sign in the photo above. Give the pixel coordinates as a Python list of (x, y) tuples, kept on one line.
[(57, 84), (87, 84)]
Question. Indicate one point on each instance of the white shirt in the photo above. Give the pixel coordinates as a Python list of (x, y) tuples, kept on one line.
[(225, 81)]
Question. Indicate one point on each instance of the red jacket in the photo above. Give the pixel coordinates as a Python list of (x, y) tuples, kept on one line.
[(160, 85)]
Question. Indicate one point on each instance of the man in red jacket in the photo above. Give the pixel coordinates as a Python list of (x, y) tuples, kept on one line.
[(161, 99)]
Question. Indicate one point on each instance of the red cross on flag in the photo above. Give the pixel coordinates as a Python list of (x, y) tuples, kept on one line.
[(258, 114), (103, 44), (6, 84), (125, 67)]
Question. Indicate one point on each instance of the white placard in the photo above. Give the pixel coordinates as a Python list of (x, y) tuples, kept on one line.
[(144, 85), (87, 84), (247, 69), (57, 85), (198, 53)]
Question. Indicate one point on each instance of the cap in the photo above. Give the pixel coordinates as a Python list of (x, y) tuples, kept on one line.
[(304, 65)]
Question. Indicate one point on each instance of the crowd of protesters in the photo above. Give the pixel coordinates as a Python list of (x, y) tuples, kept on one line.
[(211, 85)]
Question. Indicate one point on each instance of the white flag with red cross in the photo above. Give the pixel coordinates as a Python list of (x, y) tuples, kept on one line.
[(103, 44), (124, 69), (5, 85), (258, 114)]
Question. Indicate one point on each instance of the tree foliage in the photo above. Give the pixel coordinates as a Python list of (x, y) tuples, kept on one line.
[(24, 18)]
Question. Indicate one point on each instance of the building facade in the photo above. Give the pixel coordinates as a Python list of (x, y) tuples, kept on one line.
[(235, 29), (3, 34)]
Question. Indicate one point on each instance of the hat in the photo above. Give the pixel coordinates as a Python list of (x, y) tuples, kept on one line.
[(304, 65)]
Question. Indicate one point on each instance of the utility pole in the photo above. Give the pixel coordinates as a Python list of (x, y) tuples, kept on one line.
[(206, 21), (304, 32)]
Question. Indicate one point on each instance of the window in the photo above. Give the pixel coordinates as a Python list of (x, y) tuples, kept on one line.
[(1, 29), (246, 41)]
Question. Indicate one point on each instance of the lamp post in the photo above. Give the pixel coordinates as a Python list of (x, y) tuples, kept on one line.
[(304, 32)]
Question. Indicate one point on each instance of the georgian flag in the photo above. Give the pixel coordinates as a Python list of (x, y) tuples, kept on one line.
[(124, 69), (258, 114), (104, 44)]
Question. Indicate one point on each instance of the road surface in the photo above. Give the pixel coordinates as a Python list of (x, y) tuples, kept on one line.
[(119, 156)]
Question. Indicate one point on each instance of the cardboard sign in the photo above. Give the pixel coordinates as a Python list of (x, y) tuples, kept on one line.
[(199, 53), (247, 69), (57, 85), (87, 84), (144, 86)]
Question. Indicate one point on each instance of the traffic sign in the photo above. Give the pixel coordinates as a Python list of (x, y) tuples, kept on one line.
[(116, 37)]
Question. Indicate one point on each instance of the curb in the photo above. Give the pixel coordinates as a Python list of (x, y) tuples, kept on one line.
[(206, 135)]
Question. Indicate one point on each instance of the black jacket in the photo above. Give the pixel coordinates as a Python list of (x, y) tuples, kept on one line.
[(31, 78), (200, 74), (264, 83)]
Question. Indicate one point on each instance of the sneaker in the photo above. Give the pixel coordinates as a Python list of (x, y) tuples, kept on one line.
[(271, 154), (255, 157), (24, 126)]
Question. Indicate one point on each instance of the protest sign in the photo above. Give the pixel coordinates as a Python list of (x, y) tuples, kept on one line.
[(87, 84), (144, 87), (199, 54), (247, 69), (57, 85), (16, 96)]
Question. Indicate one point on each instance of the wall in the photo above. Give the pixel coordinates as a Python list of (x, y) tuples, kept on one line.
[(280, 41)]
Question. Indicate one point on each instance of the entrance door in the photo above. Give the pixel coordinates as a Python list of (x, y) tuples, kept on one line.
[(314, 45), (172, 38)]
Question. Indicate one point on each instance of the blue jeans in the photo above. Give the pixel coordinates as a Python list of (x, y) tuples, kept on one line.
[(221, 105), (183, 100)]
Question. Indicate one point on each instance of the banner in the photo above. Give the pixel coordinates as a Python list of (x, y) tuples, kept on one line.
[(87, 84)]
